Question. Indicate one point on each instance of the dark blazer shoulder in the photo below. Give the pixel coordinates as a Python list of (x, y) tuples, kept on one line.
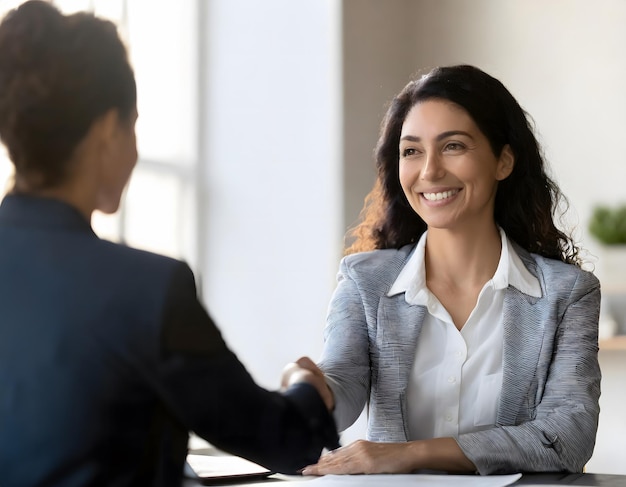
[(132, 255), (137, 264)]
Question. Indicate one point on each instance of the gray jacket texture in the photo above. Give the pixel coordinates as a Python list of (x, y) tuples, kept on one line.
[(548, 413)]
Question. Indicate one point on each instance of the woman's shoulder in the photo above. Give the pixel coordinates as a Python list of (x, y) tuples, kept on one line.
[(383, 264), (377, 257), (556, 273)]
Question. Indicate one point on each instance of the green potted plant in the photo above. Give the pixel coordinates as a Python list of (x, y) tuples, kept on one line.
[(608, 226)]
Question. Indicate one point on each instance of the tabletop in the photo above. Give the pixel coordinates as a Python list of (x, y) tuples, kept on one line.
[(587, 479)]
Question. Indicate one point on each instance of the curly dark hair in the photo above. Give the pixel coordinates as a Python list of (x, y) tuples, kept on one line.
[(58, 74), (525, 202)]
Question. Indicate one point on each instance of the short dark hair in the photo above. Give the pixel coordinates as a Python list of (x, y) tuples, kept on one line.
[(525, 201), (58, 74)]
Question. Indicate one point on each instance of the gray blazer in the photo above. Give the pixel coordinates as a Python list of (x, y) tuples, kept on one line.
[(548, 412)]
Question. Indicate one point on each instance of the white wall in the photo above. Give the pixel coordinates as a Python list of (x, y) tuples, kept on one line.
[(608, 455), (270, 152)]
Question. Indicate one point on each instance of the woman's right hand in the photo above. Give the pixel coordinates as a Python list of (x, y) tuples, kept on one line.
[(305, 370)]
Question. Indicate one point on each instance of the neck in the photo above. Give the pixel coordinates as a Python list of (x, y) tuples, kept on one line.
[(70, 192), (463, 259)]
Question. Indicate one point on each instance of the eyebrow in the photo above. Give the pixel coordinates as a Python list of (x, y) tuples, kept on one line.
[(441, 136)]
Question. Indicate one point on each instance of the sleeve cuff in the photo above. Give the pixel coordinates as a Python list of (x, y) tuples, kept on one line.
[(311, 406)]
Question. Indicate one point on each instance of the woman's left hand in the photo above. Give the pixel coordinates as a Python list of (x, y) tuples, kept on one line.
[(365, 457)]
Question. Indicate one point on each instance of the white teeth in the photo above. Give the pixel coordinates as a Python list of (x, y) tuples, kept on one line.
[(440, 196)]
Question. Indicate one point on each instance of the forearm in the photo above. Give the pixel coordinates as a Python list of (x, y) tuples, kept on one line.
[(563, 442), (209, 391), (220, 402), (349, 400), (439, 454), (345, 359)]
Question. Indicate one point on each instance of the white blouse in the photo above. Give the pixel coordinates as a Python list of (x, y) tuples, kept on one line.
[(456, 378)]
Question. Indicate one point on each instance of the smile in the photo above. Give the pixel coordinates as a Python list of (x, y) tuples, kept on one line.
[(440, 196)]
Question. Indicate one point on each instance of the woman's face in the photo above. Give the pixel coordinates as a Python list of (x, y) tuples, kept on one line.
[(119, 165), (448, 171)]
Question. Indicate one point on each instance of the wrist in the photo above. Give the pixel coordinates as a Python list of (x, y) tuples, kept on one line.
[(439, 454), (417, 455)]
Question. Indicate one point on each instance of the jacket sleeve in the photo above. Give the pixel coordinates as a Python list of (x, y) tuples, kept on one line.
[(345, 358), (209, 391), (561, 435)]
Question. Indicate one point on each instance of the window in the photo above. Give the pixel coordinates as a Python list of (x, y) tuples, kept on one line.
[(158, 211)]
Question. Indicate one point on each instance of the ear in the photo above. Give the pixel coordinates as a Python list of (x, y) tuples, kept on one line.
[(106, 125), (97, 143), (506, 162)]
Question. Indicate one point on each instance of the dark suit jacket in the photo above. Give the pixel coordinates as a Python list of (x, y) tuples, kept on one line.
[(107, 360)]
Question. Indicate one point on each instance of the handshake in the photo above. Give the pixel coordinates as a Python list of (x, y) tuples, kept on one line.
[(305, 370)]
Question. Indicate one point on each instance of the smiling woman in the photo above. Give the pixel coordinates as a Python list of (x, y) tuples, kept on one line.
[(462, 318), (448, 171)]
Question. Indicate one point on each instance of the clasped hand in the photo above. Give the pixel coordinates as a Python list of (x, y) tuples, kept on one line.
[(305, 370)]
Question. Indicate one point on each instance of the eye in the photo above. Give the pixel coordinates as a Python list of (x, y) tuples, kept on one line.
[(454, 146), (408, 152)]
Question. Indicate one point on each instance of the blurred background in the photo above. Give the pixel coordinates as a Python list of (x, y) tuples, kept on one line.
[(257, 122)]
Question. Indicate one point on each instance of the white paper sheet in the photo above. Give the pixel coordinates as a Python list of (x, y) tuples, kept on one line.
[(217, 466), (415, 480)]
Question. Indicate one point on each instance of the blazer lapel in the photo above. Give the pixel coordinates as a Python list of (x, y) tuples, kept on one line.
[(399, 326), (523, 338)]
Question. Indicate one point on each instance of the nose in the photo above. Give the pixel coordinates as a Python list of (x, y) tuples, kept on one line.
[(433, 168)]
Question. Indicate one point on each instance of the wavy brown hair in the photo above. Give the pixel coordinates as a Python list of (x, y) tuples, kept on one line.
[(58, 74), (526, 201)]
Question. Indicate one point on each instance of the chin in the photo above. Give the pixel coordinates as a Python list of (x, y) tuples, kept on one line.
[(108, 207), (439, 225)]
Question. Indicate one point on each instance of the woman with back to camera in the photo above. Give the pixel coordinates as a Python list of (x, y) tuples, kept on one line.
[(107, 358), (462, 317)]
